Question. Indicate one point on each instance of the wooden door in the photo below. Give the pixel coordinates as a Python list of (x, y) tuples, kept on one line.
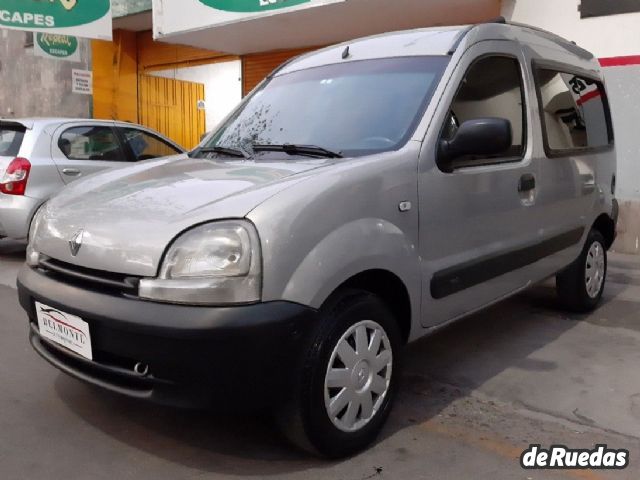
[(171, 107)]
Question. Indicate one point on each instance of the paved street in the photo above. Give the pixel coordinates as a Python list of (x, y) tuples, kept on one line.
[(474, 397)]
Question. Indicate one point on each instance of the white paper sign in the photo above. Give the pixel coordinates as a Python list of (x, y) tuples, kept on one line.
[(82, 82)]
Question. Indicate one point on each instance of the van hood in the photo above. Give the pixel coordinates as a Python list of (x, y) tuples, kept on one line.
[(129, 215)]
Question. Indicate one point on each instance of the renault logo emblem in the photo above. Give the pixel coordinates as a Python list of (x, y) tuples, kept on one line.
[(76, 242)]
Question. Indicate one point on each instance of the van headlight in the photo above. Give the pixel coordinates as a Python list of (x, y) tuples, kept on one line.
[(216, 263), (33, 256)]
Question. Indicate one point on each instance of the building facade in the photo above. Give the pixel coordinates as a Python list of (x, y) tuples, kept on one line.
[(38, 86)]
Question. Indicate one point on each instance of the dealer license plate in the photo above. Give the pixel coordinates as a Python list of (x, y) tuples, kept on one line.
[(64, 329)]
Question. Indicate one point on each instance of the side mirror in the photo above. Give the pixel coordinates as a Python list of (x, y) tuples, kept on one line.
[(480, 136)]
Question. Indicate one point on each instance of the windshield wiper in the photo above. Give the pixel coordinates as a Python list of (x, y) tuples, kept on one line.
[(292, 149), (232, 152)]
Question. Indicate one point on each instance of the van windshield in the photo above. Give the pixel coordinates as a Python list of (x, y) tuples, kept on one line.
[(354, 108), (10, 139)]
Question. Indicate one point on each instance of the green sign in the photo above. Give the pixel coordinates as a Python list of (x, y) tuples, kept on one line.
[(251, 5), (51, 14), (60, 46)]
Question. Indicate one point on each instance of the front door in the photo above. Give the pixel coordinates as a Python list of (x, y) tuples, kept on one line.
[(478, 217), (80, 149)]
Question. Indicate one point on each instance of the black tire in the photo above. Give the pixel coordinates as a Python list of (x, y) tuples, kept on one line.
[(304, 419), (571, 283)]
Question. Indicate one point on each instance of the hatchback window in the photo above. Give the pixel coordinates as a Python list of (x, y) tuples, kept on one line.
[(145, 146), (354, 108), (574, 111), (492, 87), (11, 137), (91, 143)]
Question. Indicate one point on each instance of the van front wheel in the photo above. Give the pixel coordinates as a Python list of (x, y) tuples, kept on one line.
[(348, 379), (581, 285)]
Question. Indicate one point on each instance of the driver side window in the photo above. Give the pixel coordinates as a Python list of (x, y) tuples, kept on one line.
[(492, 88)]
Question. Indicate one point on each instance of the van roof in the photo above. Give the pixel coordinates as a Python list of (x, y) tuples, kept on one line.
[(435, 41)]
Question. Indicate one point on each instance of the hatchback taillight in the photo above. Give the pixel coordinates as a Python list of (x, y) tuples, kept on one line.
[(14, 180)]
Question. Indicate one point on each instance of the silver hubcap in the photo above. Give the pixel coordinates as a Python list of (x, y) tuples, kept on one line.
[(595, 269), (358, 376)]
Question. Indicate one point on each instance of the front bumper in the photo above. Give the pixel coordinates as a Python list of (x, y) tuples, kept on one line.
[(245, 356)]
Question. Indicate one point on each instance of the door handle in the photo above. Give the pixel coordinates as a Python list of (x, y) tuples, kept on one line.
[(527, 183), (72, 172)]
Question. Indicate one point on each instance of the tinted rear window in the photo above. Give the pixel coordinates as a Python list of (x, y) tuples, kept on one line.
[(11, 137)]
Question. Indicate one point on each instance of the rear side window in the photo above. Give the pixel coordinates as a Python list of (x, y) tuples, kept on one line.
[(574, 111), (11, 137), (91, 143)]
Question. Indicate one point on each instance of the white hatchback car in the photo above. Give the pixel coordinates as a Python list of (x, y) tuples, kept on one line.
[(39, 156)]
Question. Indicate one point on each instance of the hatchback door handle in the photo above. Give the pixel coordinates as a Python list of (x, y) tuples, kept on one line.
[(527, 183), (72, 172)]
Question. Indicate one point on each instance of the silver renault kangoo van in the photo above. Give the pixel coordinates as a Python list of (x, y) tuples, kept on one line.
[(361, 197)]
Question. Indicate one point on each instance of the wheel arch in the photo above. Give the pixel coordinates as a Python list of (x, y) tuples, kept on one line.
[(389, 288), (607, 227)]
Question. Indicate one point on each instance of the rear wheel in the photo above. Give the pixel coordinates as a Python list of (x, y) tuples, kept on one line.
[(581, 285), (348, 379)]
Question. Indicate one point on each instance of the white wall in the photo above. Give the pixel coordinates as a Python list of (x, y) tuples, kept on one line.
[(223, 87), (611, 36), (623, 86)]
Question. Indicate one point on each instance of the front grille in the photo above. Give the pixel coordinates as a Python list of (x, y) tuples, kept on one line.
[(99, 280)]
